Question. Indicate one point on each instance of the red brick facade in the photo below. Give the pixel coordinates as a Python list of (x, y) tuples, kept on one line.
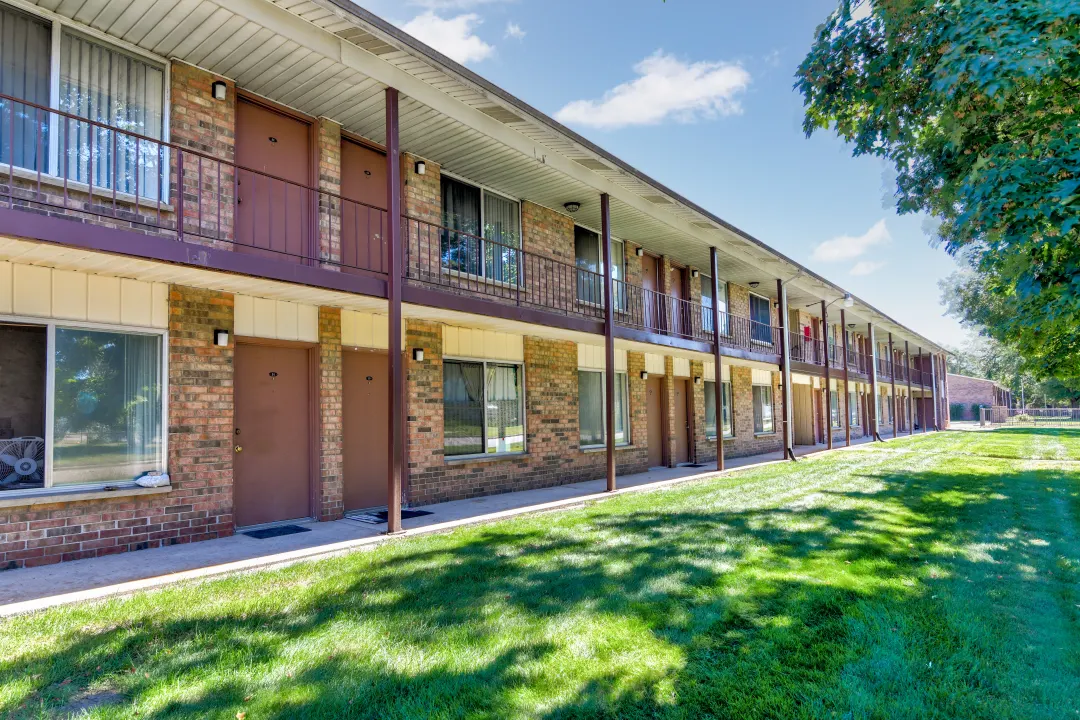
[(331, 423), (200, 459)]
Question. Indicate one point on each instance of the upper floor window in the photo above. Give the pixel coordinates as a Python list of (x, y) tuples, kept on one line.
[(588, 256), (760, 319), (707, 304), (483, 232), (118, 94)]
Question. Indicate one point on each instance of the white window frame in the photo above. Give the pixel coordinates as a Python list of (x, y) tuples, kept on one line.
[(521, 402), (603, 409), (59, 23), (484, 189), (772, 404), (720, 415), (50, 325)]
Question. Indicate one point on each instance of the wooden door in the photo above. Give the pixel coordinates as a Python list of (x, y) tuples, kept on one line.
[(274, 208), (802, 408), (680, 315), (682, 421), (365, 407), (650, 280), (272, 451), (363, 216), (654, 389)]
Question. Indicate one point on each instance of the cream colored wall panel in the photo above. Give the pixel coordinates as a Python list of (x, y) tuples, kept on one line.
[(761, 377), (708, 371), (69, 295), (592, 357), (136, 303), (654, 364), (265, 325), (32, 290), (160, 300), (451, 340), (681, 367), (103, 299), (515, 348), (380, 332), (5, 287), (308, 317), (288, 320), (244, 315), (365, 330), (798, 379), (482, 344), (348, 328)]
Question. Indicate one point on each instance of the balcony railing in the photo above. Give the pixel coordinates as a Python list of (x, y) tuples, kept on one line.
[(55, 159), (806, 349), (121, 178)]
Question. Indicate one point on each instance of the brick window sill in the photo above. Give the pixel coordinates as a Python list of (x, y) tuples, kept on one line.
[(55, 496), (467, 459)]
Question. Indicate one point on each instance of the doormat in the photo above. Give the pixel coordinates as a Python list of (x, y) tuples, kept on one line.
[(693, 465), (378, 517), (278, 531)]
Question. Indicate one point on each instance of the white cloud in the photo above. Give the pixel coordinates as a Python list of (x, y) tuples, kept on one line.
[(666, 87), (453, 37), (513, 30), (866, 267), (846, 247), (861, 11)]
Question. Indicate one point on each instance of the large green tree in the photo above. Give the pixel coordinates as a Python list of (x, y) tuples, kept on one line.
[(976, 103)]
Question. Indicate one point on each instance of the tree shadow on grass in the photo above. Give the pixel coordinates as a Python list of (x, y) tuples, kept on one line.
[(751, 614)]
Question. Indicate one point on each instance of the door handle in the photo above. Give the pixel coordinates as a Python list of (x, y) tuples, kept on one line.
[(238, 449)]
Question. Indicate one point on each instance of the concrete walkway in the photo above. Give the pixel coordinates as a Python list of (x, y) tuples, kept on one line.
[(29, 589)]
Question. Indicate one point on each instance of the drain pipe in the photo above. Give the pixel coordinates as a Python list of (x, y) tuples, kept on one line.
[(785, 365)]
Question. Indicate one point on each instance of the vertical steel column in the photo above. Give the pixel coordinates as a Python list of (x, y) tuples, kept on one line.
[(396, 448), (871, 406), (922, 391), (718, 359), (785, 368), (847, 388), (609, 341), (828, 386), (892, 381), (910, 399)]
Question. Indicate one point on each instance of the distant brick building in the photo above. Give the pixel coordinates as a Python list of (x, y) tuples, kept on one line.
[(969, 392)]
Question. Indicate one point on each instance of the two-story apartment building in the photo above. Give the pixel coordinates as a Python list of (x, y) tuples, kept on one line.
[(306, 265)]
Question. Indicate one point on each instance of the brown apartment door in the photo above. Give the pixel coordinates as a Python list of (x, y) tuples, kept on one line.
[(650, 278), (363, 217), (274, 209), (366, 406), (680, 316), (654, 390), (802, 407), (682, 421), (272, 451)]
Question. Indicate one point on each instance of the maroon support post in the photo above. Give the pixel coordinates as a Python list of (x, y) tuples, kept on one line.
[(892, 382), (871, 407), (718, 359), (910, 399), (396, 449), (828, 386), (847, 388), (609, 341), (785, 369)]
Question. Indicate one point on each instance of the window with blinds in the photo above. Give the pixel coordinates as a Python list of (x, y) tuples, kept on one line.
[(25, 54)]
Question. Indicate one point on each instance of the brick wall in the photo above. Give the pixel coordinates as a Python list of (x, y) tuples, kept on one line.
[(553, 455), (331, 458), (421, 200), (549, 234), (207, 126), (200, 459), (968, 390), (329, 142)]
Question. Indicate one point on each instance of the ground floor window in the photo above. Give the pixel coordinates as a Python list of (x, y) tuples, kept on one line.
[(763, 409), (591, 409), (834, 409), (884, 409), (710, 410), (483, 408), (854, 415), (97, 417)]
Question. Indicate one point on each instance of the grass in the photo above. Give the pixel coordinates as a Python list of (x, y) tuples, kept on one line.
[(933, 576)]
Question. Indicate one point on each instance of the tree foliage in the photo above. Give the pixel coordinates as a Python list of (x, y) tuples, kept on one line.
[(976, 103)]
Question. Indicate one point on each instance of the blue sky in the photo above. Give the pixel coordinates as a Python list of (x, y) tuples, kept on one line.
[(698, 94)]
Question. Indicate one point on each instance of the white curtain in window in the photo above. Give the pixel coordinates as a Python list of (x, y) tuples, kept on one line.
[(591, 407), (502, 224), (114, 88), (622, 415), (107, 406), (463, 408), (24, 74), (505, 424)]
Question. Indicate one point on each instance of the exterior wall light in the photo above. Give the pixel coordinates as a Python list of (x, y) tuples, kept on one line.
[(218, 90), (418, 354), (572, 207), (640, 252), (697, 381), (694, 274), (754, 285), (849, 301), (420, 167), (644, 375), (221, 338)]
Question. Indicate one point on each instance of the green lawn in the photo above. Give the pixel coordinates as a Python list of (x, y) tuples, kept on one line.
[(934, 576)]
